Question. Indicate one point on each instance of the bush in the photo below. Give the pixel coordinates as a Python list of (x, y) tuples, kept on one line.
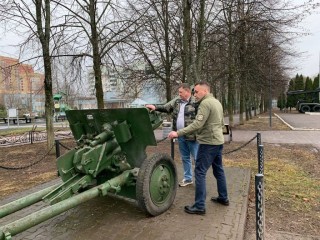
[(3, 111)]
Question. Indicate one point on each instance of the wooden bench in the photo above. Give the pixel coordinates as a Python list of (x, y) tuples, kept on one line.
[(228, 131)]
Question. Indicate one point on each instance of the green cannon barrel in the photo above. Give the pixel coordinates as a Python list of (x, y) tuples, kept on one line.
[(27, 222), (24, 201)]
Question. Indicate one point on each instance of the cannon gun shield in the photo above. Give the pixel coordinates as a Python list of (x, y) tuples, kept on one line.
[(110, 157)]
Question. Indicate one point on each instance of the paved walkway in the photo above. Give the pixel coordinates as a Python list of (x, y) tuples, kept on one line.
[(305, 130), (116, 218)]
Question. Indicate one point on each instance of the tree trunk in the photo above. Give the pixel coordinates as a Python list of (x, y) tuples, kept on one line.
[(96, 54), (44, 37), (200, 34), (186, 43)]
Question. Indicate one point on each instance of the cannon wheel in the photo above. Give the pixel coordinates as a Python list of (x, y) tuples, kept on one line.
[(156, 184)]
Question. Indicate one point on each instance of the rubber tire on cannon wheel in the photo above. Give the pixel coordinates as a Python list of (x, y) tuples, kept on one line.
[(156, 184)]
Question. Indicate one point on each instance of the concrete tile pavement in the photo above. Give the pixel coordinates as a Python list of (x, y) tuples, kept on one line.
[(116, 218)]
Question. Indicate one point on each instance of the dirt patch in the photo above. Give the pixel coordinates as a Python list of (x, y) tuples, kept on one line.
[(292, 186), (15, 176), (292, 183)]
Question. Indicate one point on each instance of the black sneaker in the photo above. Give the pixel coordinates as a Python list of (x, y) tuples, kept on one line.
[(219, 200)]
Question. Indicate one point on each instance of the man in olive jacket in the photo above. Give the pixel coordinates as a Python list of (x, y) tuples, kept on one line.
[(208, 126)]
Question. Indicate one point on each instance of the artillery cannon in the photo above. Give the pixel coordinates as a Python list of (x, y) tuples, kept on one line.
[(109, 157)]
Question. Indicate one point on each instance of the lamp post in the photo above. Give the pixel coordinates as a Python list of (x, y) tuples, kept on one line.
[(270, 95)]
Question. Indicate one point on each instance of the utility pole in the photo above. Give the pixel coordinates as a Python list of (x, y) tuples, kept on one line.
[(270, 94)]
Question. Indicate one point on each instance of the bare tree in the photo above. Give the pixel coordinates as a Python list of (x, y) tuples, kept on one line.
[(155, 39), (94, 28), (36, 17)]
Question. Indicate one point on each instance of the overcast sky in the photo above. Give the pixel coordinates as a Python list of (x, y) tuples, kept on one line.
[(306, 64)]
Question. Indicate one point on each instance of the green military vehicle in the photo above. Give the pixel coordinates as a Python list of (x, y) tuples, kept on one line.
[(309, 101)]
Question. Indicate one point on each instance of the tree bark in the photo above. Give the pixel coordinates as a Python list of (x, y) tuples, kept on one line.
[(96, 54), (44, 37)]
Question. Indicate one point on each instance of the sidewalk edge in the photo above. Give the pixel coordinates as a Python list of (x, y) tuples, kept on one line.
[(244, 210)]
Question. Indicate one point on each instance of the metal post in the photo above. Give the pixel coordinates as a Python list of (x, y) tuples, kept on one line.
[(260, 213), (260, 159), (57, 148), (270, 95), (172, 148), (31, 137), (8, 117), (258, 139)]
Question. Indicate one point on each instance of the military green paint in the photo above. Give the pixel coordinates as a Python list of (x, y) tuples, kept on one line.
[(24, 202), (33, 219), (111, 146)]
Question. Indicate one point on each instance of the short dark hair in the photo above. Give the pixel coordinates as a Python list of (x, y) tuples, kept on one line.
[(185, 86), (205, 84)]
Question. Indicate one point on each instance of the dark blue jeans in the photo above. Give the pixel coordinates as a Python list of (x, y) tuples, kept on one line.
[(209, 155)]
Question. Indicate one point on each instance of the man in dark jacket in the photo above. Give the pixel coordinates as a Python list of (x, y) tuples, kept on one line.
[(183, 111)]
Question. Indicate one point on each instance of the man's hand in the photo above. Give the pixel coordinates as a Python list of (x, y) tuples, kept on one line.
[(173, 134), (150, 106)]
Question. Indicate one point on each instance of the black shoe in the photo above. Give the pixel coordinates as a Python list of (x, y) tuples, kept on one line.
[(219, 200), (194, 210)]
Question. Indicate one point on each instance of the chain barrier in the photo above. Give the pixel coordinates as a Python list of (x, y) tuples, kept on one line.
[(27, 166), (234, 150), (64, 146), (242, 146), (161, 140)]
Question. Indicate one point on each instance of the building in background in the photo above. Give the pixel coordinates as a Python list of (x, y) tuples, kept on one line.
[(122, 86), (20, 86), (86, 103)]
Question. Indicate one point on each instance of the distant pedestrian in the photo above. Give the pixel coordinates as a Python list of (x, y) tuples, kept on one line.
[(208, 126), (183, 111)]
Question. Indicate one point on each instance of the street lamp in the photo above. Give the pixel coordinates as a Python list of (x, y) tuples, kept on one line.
[(270, 94)]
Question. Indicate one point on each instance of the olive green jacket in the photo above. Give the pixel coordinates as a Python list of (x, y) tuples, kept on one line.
[(209, 122)]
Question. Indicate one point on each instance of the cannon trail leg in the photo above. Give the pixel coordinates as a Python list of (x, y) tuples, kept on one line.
[(24, 201), (23, 224)]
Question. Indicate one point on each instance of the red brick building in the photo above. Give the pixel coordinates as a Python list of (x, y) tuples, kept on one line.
[(20, 86)]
